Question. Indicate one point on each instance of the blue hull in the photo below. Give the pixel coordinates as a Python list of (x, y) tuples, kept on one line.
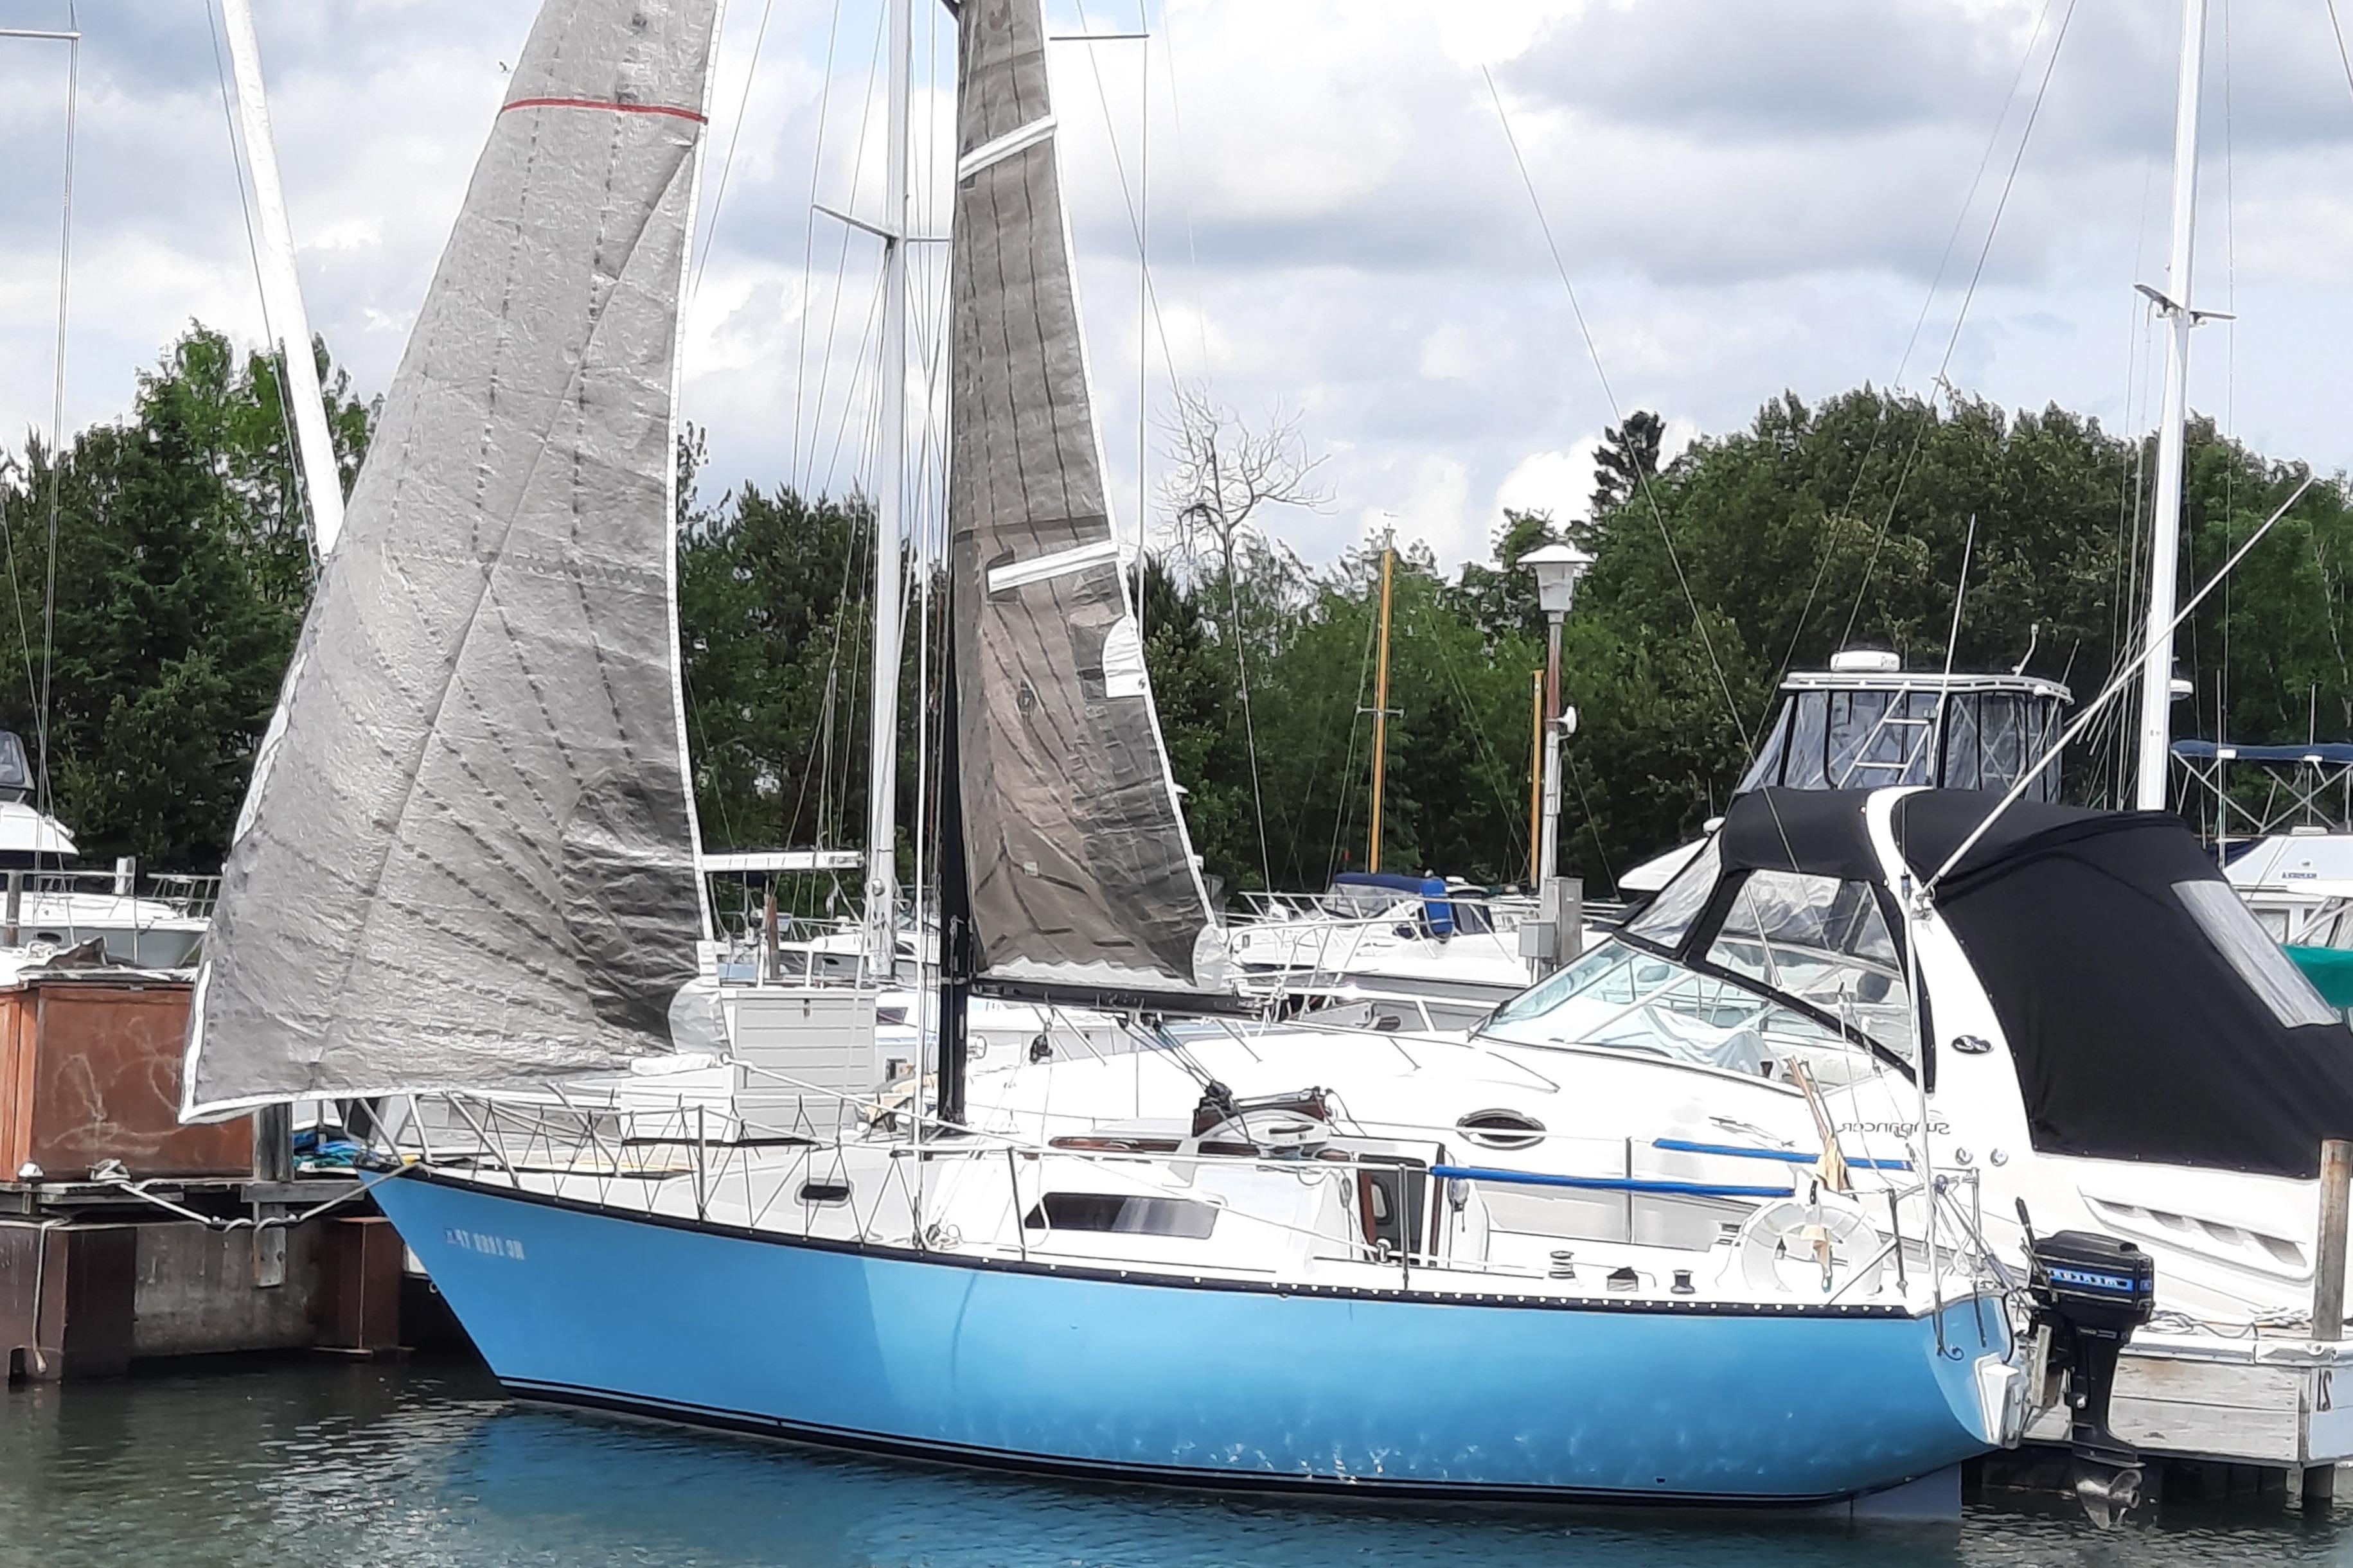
[(1079, 1370)]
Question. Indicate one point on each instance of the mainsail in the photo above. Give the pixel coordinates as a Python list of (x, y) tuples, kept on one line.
[(1079, 873), (467, 857)]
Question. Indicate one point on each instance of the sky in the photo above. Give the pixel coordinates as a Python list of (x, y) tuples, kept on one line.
[(1362, 218)]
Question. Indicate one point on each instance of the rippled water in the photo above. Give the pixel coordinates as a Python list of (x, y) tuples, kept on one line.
[(329, 1464)]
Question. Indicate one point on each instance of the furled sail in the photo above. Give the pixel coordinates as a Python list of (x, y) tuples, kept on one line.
[(467, 856), (1078, 872)]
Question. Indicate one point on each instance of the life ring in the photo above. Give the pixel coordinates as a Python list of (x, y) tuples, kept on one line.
[(1818, 1246)]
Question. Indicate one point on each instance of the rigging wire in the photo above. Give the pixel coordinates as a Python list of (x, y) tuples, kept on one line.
[(808, 240), (57, 407), (1495, 770), (37, 687), (727, 162), (2344, 58), (1593, 352), (1342, 818), (1928, 302), (841, 274), (1969, 297)]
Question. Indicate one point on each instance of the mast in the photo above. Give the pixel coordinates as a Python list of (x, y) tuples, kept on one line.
[(890, 519), (2173, 304), (1381, 699), (288, 324)]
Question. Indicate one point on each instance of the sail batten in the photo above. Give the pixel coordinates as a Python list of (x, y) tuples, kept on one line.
[(467, 856), (1079, 872)]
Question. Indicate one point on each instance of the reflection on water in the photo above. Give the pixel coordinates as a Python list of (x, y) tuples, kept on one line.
[(328, 1464)]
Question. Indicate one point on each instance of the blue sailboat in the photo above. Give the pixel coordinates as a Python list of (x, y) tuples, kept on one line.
[(468, 870)]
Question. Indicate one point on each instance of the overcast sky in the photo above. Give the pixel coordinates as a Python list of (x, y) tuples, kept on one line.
[(1749, 196)]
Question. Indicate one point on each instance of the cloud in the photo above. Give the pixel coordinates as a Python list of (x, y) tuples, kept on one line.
[(1748, 198)]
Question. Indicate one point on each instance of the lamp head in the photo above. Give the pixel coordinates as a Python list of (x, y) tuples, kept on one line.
[(1558, 568)]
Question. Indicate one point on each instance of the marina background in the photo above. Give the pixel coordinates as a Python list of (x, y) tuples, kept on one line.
[(181, 577)]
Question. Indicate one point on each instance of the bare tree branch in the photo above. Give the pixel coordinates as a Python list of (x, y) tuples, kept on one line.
[(1221, 473)]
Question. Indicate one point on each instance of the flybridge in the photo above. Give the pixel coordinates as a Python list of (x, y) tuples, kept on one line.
[(1866, 721)]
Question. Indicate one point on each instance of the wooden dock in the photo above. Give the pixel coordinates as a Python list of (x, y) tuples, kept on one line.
[(2273, 1402), (125, 1236)]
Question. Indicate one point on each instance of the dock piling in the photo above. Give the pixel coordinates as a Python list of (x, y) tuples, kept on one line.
[(2328, 1283)]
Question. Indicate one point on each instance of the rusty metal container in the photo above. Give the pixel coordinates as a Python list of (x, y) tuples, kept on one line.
[(90, 1071)]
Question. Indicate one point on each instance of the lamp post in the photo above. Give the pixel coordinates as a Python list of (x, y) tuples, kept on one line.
[(1559, 568)]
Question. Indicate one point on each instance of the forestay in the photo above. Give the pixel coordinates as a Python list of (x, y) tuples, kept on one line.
[(1081, 875), (466, 854)]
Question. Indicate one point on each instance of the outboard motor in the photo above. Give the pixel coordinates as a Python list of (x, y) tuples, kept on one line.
[(2092, 1291)]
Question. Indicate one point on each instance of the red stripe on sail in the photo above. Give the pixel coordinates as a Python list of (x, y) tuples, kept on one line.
[(605, 103)]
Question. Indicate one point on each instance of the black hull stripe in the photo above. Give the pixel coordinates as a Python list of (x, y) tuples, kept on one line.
[(1366, 1487), (1499, 1299)]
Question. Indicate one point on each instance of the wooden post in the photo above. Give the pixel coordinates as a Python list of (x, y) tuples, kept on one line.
[(772, 956), (2328, 1283), (273, 1143)]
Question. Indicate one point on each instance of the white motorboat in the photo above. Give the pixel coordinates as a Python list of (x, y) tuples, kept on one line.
[(50, 905), (2112, 1039)]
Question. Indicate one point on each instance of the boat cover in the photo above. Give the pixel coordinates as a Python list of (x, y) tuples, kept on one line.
[(466, 853), (2330, 970), (2148, 1016)]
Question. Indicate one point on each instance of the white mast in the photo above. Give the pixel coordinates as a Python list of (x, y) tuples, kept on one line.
[(2173, 304), (281, 289), (889, 519)]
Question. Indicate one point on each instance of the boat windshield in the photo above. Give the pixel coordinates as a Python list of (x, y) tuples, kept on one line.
[(1628, 998), (1824, 942)]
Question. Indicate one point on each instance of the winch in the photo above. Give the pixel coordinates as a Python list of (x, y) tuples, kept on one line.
[(2091, 1291)]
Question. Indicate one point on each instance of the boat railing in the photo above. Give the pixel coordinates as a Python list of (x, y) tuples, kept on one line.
[(168, 895), (801, 1175), (155, 920), (795, 951), (1386, 909)]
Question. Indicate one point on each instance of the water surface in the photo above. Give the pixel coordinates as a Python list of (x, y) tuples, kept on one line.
[(328, 1464)]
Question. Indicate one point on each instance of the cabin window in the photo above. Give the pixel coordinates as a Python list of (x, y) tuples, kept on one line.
[(2269, 972), (1823, 941), (1125, 1213), (824, 1195), (1626, 998), (1879, 738), (1501, 1129), (1670, 914)]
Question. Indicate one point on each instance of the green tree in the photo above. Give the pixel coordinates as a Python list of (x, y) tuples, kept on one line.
[(181, 573), (1628, 454)]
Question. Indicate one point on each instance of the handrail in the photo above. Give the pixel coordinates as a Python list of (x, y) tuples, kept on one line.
[(1604, 1184)]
